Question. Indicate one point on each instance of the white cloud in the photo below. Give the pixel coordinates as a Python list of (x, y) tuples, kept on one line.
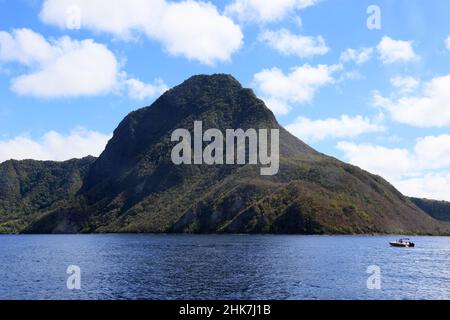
[(25, 46), (390, 163), (392, 51), (138, 90), (388, 49), (429, 153), (447, 43), (290, 44), (422, 172), (62, 67), (278, 105), (118, 17), (263, 11), (351, 75), (358, 56), (280, 90), (54, 146), (405, 84), (433, 152), (432, 186), (343, 127), (78, 68), (195, 30), (66, 68), (429, 108)]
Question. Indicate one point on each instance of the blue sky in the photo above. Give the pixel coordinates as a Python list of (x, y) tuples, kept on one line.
[(70, 70)]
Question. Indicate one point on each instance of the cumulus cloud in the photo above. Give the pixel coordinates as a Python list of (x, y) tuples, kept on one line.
[(139, 90), (78, 143), (432, 186), (447, 43), (391, 163), (433, 152), (281, 90), (62, 67), (279, 106), (65, 67), (263, 11), (195, 30), (429, 108), (25, 46), (343, 127), (359, 56), (290, 44), (421, 172), (405, 84), (391, 51)]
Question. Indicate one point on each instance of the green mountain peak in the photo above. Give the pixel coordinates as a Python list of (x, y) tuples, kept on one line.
[(135, 187)]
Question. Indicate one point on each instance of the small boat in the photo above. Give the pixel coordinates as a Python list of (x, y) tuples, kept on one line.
[(404, 243)]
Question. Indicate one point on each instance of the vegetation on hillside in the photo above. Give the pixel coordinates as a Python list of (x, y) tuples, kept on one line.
[(134, 186), (30, 187), (439, 210)]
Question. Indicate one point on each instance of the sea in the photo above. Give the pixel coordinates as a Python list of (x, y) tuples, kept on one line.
[(206, 267)]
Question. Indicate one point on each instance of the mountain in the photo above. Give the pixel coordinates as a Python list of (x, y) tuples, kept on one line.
[(135, 187), (439, 210), (30, 187)]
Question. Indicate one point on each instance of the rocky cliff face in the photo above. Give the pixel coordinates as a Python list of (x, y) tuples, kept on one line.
[(135, 187)]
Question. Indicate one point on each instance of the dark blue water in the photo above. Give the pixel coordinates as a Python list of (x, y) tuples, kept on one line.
[(221, 267)]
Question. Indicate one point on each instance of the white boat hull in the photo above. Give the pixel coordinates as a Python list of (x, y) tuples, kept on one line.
[(402, 244)]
